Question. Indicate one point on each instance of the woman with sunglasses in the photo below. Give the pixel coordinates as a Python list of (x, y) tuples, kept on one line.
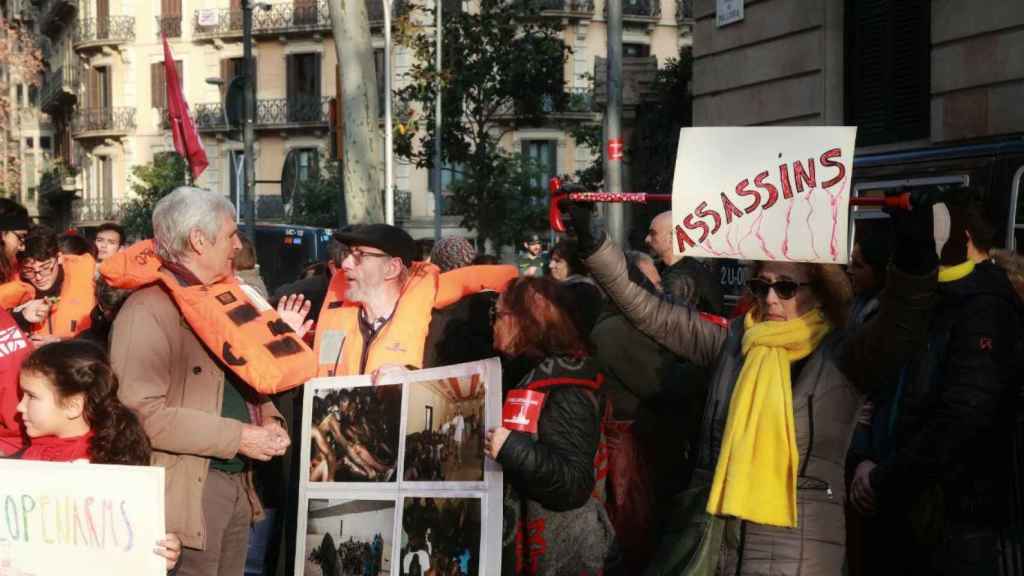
[(788, 378)]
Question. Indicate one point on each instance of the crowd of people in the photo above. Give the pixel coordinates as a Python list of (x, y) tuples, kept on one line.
[(858, 420)]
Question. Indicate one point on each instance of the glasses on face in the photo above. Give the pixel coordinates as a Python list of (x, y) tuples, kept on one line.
[(358, 254), (30, 272), (784, 289)]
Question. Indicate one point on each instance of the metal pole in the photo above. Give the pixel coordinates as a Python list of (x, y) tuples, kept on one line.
[(248, 112), (389, 188), (438, 140), (613, 122)]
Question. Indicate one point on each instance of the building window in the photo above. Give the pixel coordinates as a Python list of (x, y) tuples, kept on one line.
[(544, 155), (303, 86), (32, 194), (306, 164), (20, 91), (100, 91), (44, 142), (888, 70), (33, 94), (636, 50), (158, 82), (29, 143), (170, 18)]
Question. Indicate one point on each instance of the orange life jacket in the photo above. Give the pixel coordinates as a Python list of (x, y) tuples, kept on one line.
[(14, 293), (340, 346), (72, 314), (255, 344)]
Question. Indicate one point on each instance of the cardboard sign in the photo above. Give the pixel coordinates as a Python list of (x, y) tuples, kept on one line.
[(83, 519), (522, 410), (763, 193)]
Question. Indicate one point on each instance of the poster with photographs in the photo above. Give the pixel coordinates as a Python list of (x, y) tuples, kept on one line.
[(394, 477)]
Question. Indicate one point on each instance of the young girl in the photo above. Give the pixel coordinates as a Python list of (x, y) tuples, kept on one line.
[(70, 410)]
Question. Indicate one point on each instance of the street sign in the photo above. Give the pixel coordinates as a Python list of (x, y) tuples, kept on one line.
[(728, 12), (615, 149)]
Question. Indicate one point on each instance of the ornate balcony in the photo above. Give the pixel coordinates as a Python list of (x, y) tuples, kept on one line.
[(59, 90), (96, 210), (271, 114), (576, 8), (98, 32), (59, 179), (684, 11), (102, 122), (170, 25), (639, 10), (286, 18)]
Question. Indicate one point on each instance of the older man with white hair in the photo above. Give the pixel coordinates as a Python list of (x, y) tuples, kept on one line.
[(204, 422)]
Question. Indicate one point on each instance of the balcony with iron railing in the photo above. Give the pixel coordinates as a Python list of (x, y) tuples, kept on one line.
[(271, 113), (577, 103), (684, 11), (59, 179), (282, 19), (102, 122), (97, 210), (170, 25), (99, 32), (639, 10), (59, 89), (561, 8)]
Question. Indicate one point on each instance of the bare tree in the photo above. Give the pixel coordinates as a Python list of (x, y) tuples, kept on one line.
[(361, 156), (23, 63)]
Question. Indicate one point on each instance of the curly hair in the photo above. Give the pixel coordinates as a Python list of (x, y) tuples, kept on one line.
[(831, 286), (81, 367), (541, 307)]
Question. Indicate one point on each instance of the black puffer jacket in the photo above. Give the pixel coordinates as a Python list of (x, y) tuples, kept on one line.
[(553, 525), (955, 428)]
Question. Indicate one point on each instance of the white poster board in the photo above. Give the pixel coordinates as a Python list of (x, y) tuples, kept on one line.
[(388, 471), (82, 519), (763, 193), (206, 17)]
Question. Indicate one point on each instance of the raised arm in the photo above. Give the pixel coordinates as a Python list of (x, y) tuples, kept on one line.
[(678, 328), (456, 284)]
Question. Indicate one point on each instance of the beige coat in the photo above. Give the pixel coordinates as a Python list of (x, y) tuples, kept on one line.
[(177, 388)]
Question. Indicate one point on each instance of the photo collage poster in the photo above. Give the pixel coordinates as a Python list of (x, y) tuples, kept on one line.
[(394, 480)]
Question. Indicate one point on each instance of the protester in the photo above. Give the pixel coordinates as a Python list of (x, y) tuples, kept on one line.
[(247, 269), (588, 300), (379, 307), (485, 260), (71, 413), (646, 266), (451, 253), (196, 400), (424, 248), (941, 491), (868, 261), (533, 262), (549, 471), (110, 238), (789, 380), (15, 346), (64, 289), (108, 303), (72, 243), (683, 275)]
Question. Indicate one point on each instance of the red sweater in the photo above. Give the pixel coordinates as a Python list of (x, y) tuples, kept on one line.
[(14, 348)]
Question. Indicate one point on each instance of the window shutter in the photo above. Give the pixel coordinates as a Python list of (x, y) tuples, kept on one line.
[(888, 70), (158, 98)]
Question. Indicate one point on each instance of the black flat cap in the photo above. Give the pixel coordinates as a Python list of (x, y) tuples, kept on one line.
[(390, 239)]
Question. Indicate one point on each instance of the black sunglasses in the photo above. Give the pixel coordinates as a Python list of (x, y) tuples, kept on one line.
[(784, 289)]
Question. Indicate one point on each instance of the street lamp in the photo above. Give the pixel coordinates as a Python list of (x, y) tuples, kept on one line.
[(389, 190)]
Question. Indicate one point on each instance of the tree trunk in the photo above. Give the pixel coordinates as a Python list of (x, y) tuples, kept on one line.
[(361, 140)]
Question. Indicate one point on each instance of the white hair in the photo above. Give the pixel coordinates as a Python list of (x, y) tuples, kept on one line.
[(183, 210)]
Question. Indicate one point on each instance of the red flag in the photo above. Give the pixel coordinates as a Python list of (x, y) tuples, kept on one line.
[(186, 137)]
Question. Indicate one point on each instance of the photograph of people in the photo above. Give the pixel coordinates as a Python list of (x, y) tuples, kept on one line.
[(440, 536), (349, 537), (354, 435), (443, 440)]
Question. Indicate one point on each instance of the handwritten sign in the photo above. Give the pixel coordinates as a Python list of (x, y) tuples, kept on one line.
[(765, 193), (82, 519)]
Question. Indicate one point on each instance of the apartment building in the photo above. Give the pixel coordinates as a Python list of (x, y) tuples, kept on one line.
[(105, 92)]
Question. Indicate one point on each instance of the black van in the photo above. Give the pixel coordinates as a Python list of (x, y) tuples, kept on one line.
[(284, 251)]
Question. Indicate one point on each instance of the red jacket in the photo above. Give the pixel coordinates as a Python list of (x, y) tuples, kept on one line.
[(14, 348)]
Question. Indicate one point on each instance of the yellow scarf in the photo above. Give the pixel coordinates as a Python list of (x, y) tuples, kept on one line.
[(954, 273), (755, 478)]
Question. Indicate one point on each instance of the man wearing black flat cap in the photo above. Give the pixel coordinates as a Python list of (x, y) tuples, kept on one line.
[(379, 305)]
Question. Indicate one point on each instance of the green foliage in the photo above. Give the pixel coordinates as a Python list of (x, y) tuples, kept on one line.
[(503, 68), (151, 182), (656, 137), (316, 200), (499, 198)]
